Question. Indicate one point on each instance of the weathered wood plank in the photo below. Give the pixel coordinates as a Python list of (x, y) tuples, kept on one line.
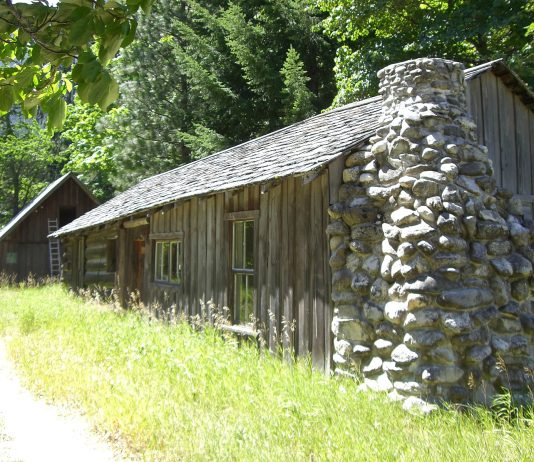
[(285, 267), (328, 348), (474, 103), (335, 175), (273, 273), (167, 235), (242, 215), (168, 218), (174, 219), (509, 172), (235, 201), (210, 249), (292, 272), (302, 215), (193, 294), (188, 258), (220, 248), (256, 204), (201, 241), (147, 271), (522, 143), (490, 110), (122, 267), (262, 292), (318, 279)]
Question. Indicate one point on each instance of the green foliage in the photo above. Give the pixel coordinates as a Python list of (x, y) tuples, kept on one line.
[(173, 393), (40, 42), (374, 34), (205, 75), (298, 98), (27, 163), (88, 153)]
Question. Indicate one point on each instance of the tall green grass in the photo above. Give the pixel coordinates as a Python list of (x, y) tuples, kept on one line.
[(172, 393)]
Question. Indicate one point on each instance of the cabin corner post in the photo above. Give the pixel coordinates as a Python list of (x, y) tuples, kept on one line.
[(432, 265)]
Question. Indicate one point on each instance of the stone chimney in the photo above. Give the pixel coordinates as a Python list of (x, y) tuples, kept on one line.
[(432, 265)]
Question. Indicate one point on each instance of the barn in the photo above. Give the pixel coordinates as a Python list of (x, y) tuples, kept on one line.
[(24, 246), (275, 228)]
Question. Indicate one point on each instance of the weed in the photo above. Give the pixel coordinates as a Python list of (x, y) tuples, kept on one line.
[(27, 322)]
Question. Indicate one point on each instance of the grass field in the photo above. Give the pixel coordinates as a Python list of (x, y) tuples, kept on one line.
[(171, 393)]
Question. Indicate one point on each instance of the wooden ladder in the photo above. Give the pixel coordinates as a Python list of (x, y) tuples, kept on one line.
[(54, 248)]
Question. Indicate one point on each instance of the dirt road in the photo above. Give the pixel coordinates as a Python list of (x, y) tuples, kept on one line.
[(33, 431)]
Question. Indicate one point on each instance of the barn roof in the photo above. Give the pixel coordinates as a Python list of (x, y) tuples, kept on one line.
[(295, 150), (43, 195)]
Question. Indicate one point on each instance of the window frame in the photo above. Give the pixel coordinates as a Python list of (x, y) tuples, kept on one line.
[(159, 241), (235, 271)]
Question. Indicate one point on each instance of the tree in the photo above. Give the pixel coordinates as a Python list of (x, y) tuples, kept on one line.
[(41, 42), (27, 163), (373, 34), (85, 146), (204, 75), (298, 97)]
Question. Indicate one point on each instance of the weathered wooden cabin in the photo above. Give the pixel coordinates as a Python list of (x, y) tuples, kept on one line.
[(24, 246), (245, 227)]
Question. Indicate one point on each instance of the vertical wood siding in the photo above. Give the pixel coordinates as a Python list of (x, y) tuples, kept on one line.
[(291, 260), (505, 125)]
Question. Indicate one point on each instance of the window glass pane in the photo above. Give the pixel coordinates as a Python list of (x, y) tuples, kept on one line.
[(244, 297), (249, 244), (238, 260), (174, 262), (238, 289), (159, 258), (249, 299), (165, 263)]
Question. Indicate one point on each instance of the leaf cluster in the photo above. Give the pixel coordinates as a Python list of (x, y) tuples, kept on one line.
[(372, 34), (40, 43), (27, 162)]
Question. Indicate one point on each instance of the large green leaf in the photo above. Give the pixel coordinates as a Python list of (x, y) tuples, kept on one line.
[(7, 97), (111, 42), (56, 113), (82, 30)]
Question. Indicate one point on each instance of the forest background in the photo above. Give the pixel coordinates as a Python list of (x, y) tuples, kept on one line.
[(201, 76)]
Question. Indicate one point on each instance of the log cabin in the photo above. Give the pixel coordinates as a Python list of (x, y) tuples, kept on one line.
[(246, 227), (24, 246)]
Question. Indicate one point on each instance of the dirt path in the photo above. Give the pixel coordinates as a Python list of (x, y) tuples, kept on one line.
[(33, 431)]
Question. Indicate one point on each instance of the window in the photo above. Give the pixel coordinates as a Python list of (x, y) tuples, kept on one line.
[(243, 270), (11, 258), (168, 263), (66, 215)]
